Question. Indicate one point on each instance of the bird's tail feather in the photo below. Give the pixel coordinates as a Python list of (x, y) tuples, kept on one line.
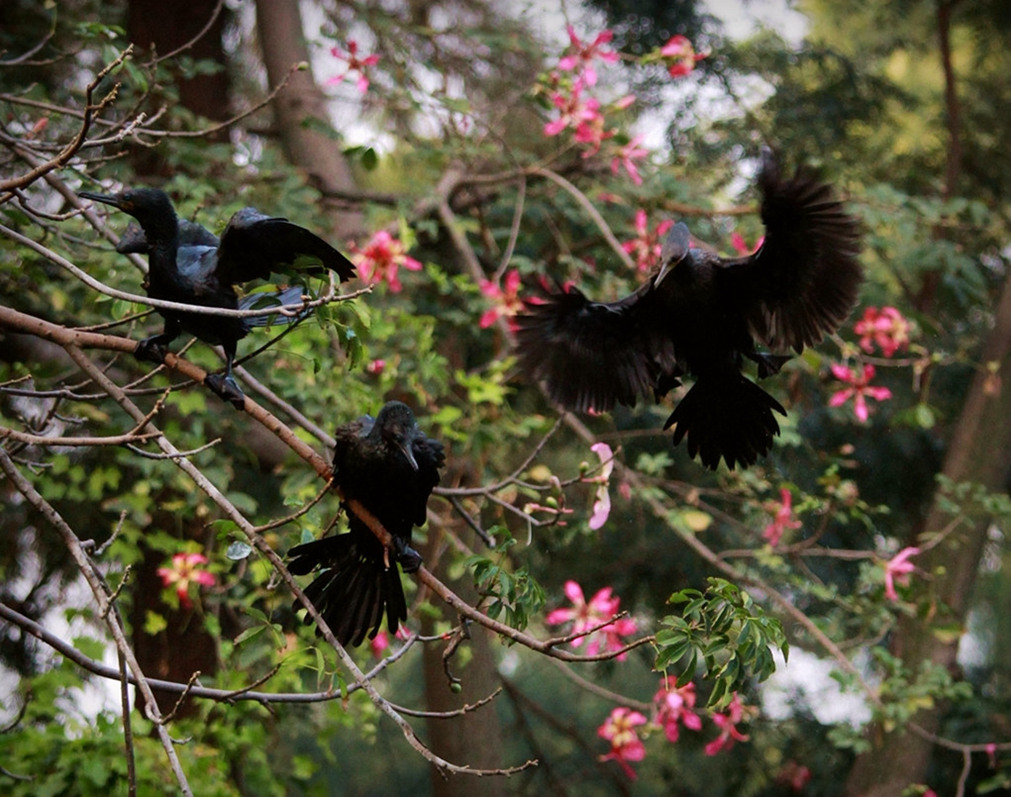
[(728, 416), (355, 588), (264, 299)]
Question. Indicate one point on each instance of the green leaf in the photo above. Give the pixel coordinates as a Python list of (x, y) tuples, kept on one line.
[(154, 623), (250, 633)]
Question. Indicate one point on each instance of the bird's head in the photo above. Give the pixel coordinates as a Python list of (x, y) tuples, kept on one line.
[(397, 427), (676, 247), (150, 206)]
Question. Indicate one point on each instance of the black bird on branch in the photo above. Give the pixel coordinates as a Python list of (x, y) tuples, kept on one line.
[(698, 315), (188, 264), (390, 467)]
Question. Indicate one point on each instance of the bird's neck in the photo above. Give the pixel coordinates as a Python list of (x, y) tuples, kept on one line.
[(163, 239)]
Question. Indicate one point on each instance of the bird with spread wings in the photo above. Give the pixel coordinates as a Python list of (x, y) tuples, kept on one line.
[(699, 315), (189, 264)]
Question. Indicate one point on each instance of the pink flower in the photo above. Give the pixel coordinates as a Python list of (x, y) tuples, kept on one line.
[(991, 754), (727, 723), (581, 55), (859, 389), (674, 705), (376, 367), (741, 246), (897, 570), (592, 132), (783, 519), (507, 300), (587, 616), (680, 55), (380, 643), (619, 730), (183, 572), (886, 327), (381, 258), (602, 501), (574, 110), (354, 64), (645, 248), (627, 156)]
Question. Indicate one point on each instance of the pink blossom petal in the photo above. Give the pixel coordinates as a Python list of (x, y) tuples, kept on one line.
[(841, 372), (574, 592), (559, 616), (676, 46), (840, 398), (601, 508), (860, 408), (555, 127)]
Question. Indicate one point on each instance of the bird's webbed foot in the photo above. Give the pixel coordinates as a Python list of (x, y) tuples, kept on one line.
[(226, 387), (153, 349), (410, 560)]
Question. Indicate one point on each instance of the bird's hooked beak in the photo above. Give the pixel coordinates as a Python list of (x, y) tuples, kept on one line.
[(404, 444), (108, 199), (675, 249)]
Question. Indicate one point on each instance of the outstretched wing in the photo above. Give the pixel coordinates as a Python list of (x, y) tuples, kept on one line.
[(593, 355), (253, 246), (804, 280)]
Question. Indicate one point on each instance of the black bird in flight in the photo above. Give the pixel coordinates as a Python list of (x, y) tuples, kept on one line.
[(390, 467), (188, 264), (698, 315)]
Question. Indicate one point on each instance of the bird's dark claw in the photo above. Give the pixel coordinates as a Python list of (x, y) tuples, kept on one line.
[(151, 350), (226, 387), (410, 560)]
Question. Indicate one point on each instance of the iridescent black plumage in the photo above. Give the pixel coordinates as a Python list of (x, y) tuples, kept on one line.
[(188, 264), (390, 467), (699, 315)]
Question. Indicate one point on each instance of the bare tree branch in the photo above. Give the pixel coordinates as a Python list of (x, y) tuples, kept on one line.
[(73, 545), (68, 152)]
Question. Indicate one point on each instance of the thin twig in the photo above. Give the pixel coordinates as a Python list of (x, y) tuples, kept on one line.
[(68, 152), (73, 544), (68, 651), (593, 213), (91, 282)]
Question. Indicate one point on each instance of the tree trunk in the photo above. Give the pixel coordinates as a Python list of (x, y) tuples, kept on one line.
[(927, 295), (184, 646), (980, 453), (318, 154), (474, 739), (169, 26)]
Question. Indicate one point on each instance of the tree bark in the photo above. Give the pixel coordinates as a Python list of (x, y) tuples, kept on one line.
[(475, 738), (979, 452), (306, 146), (927, 294), (169, 26)]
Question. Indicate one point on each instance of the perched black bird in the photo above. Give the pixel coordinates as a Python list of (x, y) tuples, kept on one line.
[(390, 466), (698, 314), (188, 264)]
